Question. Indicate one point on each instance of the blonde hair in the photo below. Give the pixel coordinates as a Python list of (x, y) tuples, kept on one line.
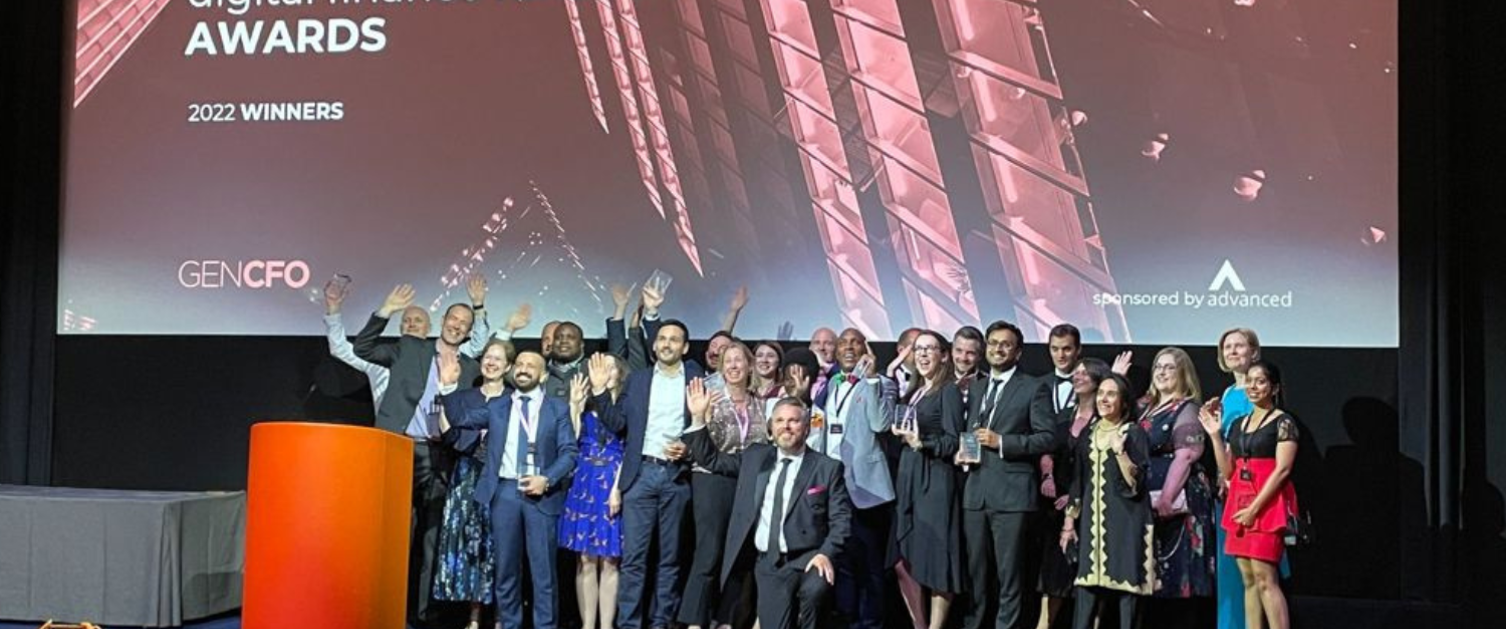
[(1186, 381), (1250, 337)]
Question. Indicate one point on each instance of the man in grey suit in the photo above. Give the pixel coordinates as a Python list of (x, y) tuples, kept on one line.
[(849, 414), (420, 371), (1009, 413)]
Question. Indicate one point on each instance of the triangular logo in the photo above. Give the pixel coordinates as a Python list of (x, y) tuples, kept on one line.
[(1226, 275)]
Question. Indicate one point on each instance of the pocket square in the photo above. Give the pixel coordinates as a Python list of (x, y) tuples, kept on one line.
[(815, 490)]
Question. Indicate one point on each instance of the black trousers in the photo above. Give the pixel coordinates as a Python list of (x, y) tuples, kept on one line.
[(788, 595), (861, 569), (994, 543), (1090, 598), (432, 465), (711, 509)]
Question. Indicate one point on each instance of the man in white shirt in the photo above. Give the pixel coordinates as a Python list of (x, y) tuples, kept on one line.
[(790, 516), (1065, 344)]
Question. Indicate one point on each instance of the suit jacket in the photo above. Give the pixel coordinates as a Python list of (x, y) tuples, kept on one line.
[(868, 409), (819, 517), (1006, 479), (409, 360), (554, 442), (628, 417)]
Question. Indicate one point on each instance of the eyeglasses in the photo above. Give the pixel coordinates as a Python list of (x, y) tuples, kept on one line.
[(926, 349)]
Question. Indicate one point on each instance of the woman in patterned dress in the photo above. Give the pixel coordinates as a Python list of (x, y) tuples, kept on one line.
[(466, 562), (1180, 494), (1110, 511), (1058, 569), (590, 522)]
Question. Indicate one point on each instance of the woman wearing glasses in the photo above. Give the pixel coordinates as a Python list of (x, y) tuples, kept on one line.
[(927, 519)]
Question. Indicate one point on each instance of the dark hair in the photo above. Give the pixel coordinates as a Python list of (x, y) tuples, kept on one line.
[(907, 332), (677, 324), (1126, 399), (572, 324), (1005, 325), (1097, 369), (1273, 374), (721, 333), (1066, 329), (804, 357), (968, 333)]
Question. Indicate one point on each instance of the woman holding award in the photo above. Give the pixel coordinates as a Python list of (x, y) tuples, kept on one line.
[(927, 517), (1109, 516)]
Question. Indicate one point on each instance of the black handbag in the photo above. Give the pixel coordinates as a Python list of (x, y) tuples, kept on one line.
[(1299, 529)]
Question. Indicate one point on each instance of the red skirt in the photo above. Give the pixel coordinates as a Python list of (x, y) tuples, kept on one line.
[(1263, 539)]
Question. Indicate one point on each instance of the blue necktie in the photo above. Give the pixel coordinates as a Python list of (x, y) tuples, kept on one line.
[(522, 457)]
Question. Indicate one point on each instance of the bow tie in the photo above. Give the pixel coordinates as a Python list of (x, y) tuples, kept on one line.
[(849, 378), (1061, 379)]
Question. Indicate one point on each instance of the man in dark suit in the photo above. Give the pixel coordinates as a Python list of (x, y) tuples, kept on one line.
[(531, 451), (790, 516), (420, 371), (1009, 413), (650, 414)]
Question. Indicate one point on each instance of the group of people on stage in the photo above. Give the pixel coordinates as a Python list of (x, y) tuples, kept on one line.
[(807, 475)]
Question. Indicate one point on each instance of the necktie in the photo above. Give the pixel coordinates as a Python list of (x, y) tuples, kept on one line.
[(523, 439), (776, 520), (989, 400)]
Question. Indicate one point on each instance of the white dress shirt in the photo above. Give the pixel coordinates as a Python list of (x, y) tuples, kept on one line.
[(766, 515), (666, 411), (509, 467)]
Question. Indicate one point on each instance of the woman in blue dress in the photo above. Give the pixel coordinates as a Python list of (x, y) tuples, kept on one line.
[(466, 563), (1238, 348), (591, 522)]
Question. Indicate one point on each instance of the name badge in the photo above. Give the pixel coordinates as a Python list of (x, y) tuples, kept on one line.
[(836, 428), (1246, 475)]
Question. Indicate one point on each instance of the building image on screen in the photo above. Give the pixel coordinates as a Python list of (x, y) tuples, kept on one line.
[(1153, 171)]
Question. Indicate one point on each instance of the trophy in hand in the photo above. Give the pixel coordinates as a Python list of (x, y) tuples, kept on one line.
[(969, 450)]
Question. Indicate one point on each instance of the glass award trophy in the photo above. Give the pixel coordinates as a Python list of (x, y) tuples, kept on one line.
[(970, 450)]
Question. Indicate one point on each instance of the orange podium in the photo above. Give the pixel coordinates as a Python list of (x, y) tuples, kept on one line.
[(327, 527)]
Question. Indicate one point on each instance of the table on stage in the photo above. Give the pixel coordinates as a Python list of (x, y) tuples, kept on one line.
[(117, 557)]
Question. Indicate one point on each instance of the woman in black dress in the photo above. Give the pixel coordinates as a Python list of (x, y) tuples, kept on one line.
[(927, 517), (1058, 569), (1110, 512), (1180, 494)]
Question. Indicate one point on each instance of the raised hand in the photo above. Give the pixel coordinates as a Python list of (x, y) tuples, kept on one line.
[(653, 298), (475, 287), (786, 332), (401, 297), (1212, 420), (600, 370), (519, 318), (698, 401), (899, 360), (578, 390), (334, 295), (621, 295), (1122, 363), (740, 299), (1120, 436), (449, 367)]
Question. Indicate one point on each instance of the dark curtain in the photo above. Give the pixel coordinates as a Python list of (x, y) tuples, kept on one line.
[(31, 53)]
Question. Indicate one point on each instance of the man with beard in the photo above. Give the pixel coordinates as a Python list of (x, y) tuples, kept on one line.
[(650, 415), (790, 514), (1009, 414), (410, 408), (857, 404), (967, 346), (530, 452), (568, 347)]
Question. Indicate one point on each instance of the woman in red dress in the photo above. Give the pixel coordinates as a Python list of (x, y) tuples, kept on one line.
[(1256, 461)]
